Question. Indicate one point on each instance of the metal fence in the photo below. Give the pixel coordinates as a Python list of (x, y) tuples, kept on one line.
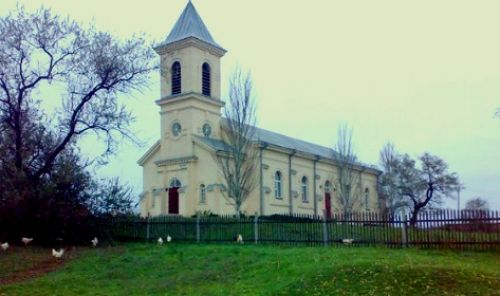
[(437, 229)]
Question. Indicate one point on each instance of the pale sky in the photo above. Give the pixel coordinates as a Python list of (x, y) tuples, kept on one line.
[(422, 74)]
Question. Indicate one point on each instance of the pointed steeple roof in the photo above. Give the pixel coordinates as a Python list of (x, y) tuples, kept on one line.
[(188, 25)]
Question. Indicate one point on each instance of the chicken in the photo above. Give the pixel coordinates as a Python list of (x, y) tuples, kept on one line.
[(160, 241), (57, 254), (95, 242), (26, 240), (347, 241), (239, 239), (169, 238), (4, 246)]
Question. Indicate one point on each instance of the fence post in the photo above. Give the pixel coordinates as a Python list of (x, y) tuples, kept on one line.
[(198, 227), (147, 228), (404, 233), (325, 229), (256, 227)]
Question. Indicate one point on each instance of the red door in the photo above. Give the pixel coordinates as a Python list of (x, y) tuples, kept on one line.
[(173, 200), (328, 205)]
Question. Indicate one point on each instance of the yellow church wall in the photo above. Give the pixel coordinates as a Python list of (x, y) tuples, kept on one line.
[(208, 173), (205, 171), (151, 202), (273, 162)]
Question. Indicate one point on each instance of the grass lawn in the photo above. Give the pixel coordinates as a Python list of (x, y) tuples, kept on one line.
[(183, 269)]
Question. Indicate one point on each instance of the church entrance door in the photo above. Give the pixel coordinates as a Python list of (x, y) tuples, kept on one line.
[(173, 200), (328, 205)]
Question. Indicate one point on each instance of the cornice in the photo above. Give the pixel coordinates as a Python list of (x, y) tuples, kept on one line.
[(187, 42), (148, 153), (190, 95), (178, 160)]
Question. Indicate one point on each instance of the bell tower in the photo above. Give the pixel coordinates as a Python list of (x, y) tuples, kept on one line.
[(190, 83)]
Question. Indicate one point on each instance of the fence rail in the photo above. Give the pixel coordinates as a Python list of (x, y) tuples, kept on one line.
[(437, 229)]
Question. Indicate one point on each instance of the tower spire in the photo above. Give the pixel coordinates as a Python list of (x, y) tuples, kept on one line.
[(188, 25)]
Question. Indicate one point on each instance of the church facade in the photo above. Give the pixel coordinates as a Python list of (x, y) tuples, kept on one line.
[(180, 173)]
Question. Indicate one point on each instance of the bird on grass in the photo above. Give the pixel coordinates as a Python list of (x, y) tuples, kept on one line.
[(4, 246), (347, 241), (169, 238), (58, 254), (239, 239), (95, 242), (26, 240), (160, 241)]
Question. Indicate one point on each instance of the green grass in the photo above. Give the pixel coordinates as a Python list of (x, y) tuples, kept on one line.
[(183, 269)]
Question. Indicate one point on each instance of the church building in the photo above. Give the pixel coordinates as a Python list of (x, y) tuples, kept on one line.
[(180, 173)]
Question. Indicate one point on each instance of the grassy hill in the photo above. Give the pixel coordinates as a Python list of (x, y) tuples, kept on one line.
[(184, 269)]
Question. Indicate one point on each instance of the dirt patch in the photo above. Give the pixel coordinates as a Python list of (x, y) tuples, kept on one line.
[(20, 264)]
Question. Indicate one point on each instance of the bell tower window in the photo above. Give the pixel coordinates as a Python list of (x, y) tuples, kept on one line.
[(176, 78), (205, 73)]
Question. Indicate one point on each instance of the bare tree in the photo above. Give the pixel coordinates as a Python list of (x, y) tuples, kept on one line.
[(348, 175), (85, 70), (388, 181), (425, 186), (477, 203), (238, 162)]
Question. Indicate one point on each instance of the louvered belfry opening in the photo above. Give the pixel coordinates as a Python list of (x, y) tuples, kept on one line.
[(176, 78), (205, 79)]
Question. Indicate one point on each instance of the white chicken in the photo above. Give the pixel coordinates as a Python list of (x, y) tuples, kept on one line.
[(160, 241), (58, 254), (95, 241), (169, 238), (4, 246), (347, 241), (239, 239), (26, 240)]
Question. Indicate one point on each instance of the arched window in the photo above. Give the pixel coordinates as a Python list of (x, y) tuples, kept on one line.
[(205, 75), (277, 185), (304, 189), (367, 199), (176, 78), (328, 187), (203, 193), (175, 183)]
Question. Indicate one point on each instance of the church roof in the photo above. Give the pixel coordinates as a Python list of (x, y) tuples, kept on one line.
[(272, 138), (188, 25), (263, 136)]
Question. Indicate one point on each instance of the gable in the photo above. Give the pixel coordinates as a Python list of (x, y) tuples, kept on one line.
[(150, 153)]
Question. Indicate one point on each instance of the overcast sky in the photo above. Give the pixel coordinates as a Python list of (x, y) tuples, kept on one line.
[(422, 74)]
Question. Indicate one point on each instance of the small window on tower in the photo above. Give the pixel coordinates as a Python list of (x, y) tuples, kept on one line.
[(205, 79), (176, 78)]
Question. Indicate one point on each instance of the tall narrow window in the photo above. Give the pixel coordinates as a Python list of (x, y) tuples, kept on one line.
[(203, 193), (277, 185), (205, 73), (304, 189), (176, 78), (367, 199)]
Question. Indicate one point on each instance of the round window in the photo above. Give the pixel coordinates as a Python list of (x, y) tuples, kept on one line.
[(207, 130), (176, 129)]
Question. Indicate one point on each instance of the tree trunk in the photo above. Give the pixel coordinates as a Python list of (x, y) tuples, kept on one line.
[(414, 215)]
